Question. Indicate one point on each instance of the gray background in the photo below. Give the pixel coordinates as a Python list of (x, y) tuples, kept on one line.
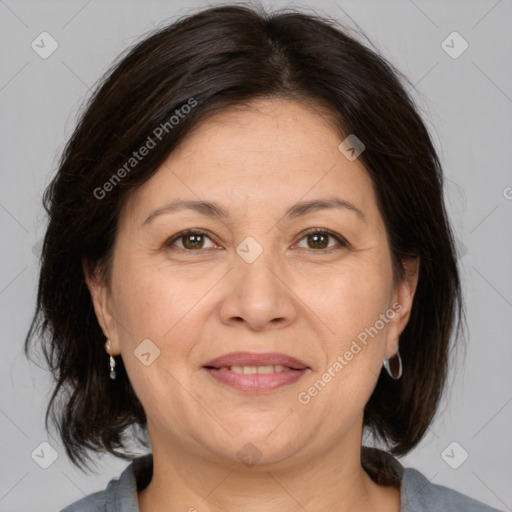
[(466, 102)]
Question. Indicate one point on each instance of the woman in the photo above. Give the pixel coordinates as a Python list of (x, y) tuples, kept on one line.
[(248, 265)]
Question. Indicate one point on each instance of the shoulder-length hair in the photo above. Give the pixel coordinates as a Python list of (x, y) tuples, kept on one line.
[(214, 59)]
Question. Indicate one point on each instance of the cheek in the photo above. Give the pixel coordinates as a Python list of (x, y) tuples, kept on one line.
[(154, 301), (348, 306), (348, 300), (154, 306), (351, 345)]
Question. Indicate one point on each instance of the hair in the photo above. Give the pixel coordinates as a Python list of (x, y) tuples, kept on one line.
[(215, 59)]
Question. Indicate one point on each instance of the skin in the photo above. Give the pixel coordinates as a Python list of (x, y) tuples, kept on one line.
[(298, 297)]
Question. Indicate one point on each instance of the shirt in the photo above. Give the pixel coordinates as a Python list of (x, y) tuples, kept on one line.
[(417, 493)]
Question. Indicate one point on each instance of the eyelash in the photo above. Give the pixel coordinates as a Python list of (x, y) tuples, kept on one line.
[(342, 242)]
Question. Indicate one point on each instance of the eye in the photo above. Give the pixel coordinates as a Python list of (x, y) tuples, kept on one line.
[(319, 239), (191, 240), (194, 240)]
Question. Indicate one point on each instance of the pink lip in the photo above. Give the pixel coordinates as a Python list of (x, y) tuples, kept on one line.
[(255, 359), (256, 383)]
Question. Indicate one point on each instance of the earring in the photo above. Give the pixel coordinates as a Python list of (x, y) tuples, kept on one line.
[(112, 361), (394, 366), (112, 365)]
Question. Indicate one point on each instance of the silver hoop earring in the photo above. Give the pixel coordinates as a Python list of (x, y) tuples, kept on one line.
[(394, 366)]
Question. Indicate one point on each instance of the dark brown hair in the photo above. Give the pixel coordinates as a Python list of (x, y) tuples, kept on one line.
[(218, 58)]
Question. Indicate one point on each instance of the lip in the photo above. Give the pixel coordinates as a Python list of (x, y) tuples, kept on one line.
[(256, 383), (257, 359)]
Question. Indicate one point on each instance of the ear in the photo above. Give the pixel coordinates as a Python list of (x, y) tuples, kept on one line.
[(401, 304), (101, 299)]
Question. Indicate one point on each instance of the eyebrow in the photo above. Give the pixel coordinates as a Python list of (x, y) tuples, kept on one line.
[(214, 210)]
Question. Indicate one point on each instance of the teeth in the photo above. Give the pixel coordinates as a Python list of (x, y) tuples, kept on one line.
[(248, 370)]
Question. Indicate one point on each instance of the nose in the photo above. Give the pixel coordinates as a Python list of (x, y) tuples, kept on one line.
[(259, 295)]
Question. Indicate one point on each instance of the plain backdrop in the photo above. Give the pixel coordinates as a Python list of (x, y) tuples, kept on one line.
[(467, 104)]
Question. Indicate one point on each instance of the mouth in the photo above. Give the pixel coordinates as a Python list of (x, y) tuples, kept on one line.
[(254, 373)]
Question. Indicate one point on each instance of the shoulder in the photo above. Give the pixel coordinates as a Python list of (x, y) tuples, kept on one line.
[(420, 495), (92, 503), (417, 493), (121, 494)]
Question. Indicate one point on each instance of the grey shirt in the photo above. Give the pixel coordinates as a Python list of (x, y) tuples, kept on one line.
[(417, 493)]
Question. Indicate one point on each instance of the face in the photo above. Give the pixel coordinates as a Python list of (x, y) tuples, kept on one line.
[(266, 274)]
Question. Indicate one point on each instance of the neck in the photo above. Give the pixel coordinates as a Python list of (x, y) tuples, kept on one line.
[(334, 480)]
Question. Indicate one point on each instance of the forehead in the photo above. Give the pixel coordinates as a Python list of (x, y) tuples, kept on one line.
[(271, 152)]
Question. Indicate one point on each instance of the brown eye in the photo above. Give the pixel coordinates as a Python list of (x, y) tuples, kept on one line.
[(190, 240), (193, 241), (317, 239)]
